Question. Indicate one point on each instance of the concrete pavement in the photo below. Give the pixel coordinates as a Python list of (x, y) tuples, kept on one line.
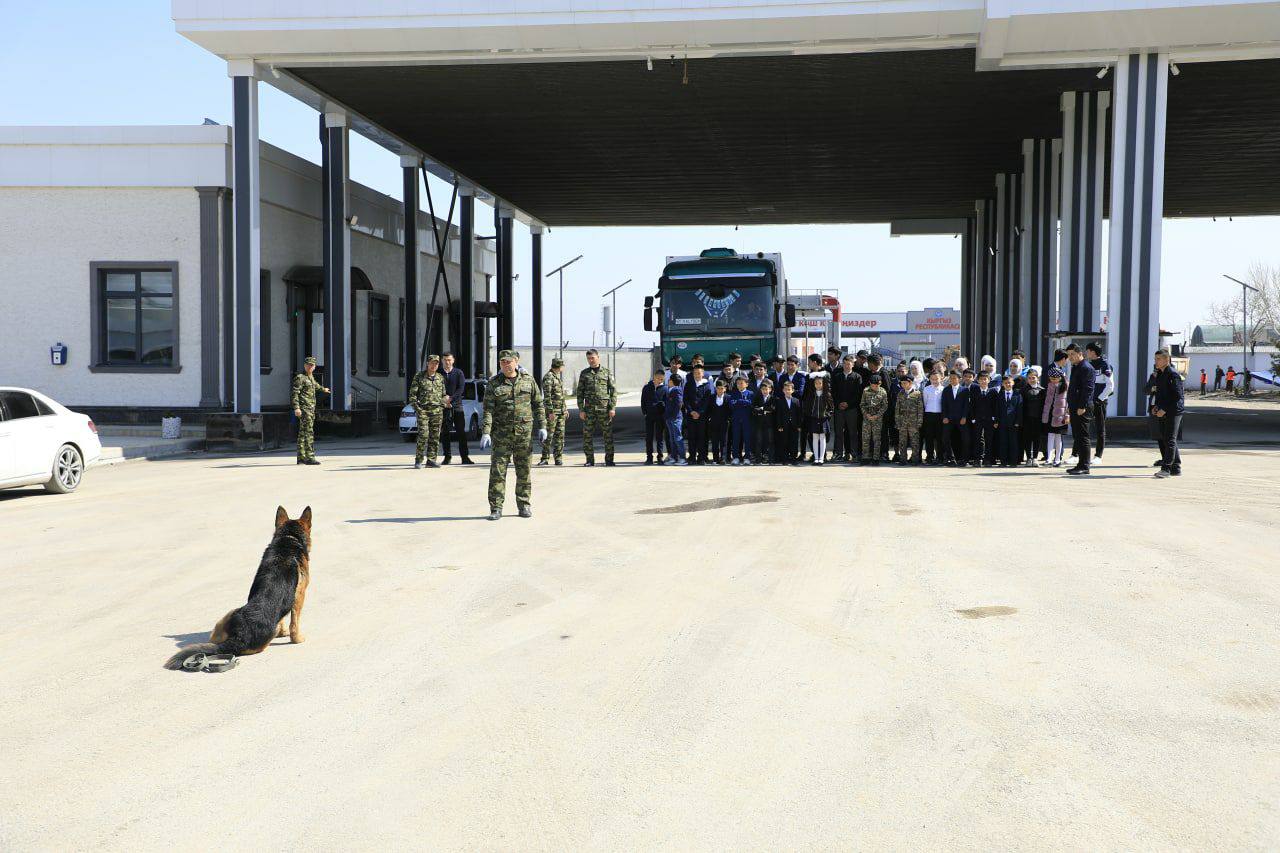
[(701, 658)]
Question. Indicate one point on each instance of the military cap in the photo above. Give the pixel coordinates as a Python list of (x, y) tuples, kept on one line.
[(433, 357), (508, 353), (311, 359), (863, 353), (557, 362), (874, 379)]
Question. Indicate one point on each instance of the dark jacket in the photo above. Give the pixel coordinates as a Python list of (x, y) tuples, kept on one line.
[(652, 399), (740, 404), (814, 406), (1080, 388), (1032, 405), (762, 408), (1009, 412), (846, 389), (674, 403), (454, 383), (786, 416), (983, 408), (1167, 391), (697, 397), (797, 382), (955, 403), (718, 415)]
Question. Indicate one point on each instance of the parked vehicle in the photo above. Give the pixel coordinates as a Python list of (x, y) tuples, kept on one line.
[(43, 442), (472, 411)]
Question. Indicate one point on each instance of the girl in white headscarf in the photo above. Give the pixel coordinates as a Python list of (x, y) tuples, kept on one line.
[(917, 373), (988, 364)]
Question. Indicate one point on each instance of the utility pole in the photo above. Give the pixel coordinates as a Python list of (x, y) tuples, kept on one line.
[(560, 272), (613, 324), (1244, 327)]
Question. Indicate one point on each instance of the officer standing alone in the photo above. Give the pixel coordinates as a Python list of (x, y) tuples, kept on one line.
[(553, 404), (512, 413), (426, 395), (303, 398), (597, 405)]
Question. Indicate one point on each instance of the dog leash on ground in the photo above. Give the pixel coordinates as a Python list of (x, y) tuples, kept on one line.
[(201, 662)]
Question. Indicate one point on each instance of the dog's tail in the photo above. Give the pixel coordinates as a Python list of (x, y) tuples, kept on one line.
[(226, 647)]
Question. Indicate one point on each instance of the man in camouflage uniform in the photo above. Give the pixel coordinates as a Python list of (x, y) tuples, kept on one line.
[(908, 416), (553, 403), (512, 413), (875, 401), (303, 398), (597, 404), (426, 395)]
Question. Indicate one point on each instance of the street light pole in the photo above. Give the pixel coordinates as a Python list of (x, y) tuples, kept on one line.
[(613, 324), (560, 272), (1244, 326)]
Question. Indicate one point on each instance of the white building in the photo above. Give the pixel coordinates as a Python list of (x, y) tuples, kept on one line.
[(117, 246)]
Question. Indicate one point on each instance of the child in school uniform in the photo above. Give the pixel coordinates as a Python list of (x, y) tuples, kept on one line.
[(786, 417), (718, 423), (817, 411), (740, 400), (1054, 416), (1032, 410), (762, 424), (673, 414)]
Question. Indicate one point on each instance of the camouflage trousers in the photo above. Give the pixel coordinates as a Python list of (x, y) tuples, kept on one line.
[(307, 436), (554, 445), (429, 438), (908, 440), (871, 439), (597, 419), (515, 448)]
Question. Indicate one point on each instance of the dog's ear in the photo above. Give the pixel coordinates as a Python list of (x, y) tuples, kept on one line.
[(281, 517), (305, 518)]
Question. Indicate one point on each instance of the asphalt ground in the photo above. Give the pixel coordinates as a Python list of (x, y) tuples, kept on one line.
[(694, 658)]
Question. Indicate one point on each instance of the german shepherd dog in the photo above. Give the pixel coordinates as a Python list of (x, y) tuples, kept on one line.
[(279, 590)]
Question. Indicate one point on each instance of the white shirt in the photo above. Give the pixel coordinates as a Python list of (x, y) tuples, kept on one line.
[(720, 398), (933, 399)]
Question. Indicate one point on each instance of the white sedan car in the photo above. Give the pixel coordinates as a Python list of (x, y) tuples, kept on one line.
[(43, 442), (472, 412)]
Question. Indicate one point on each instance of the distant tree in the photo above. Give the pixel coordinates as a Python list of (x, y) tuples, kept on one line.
[(1264, 305)]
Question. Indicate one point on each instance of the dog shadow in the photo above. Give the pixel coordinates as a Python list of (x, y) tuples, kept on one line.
[(180, 640)]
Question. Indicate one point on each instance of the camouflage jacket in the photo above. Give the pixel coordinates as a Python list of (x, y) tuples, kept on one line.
[(304, 392), (875, 401), (909, 413), (596, 389), (553, 393), (427, 392), (512, 406)]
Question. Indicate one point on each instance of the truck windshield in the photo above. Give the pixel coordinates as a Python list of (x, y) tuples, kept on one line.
[(721, 306)]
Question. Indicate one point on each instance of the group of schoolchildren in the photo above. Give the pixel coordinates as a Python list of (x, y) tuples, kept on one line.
[(854, 409)]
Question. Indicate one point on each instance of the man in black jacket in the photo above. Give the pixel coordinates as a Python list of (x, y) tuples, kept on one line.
[(875, 364), (1167, 405), (652, 406), (1080, 405), (455, 382), (846, 394)]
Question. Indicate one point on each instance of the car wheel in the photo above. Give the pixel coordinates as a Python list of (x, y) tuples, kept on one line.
[(473, 431), (68, 469)]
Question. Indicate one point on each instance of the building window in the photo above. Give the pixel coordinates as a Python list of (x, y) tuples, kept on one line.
[(135, 317), (264, 318), (404, 340), (379, 334)]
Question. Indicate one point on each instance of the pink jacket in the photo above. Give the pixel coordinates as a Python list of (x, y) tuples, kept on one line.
[(1055, 405)]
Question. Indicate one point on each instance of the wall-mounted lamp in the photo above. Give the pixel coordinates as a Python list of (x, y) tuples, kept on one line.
[(1102, 72), (353, 220), (1173, 69)]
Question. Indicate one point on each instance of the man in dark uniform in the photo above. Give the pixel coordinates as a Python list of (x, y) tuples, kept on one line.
[(454, 420), (1167, 404), (1080, 405)]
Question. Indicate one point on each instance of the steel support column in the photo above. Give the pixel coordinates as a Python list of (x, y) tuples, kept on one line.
[(535, 239), (409, 165), (1039, 245), (1137, 205), (506, 289), (466, 345), (1084, 149), (1008, 217), (968, 262), (984, 280), (337, 264), (246, 191)]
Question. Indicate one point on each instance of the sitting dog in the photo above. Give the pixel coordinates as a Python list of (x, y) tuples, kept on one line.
[(278, 590)]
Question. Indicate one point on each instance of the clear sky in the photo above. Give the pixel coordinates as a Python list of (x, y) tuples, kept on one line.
[(97, 62)]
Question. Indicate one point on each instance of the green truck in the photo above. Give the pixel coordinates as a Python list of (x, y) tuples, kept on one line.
[(719, 302)]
